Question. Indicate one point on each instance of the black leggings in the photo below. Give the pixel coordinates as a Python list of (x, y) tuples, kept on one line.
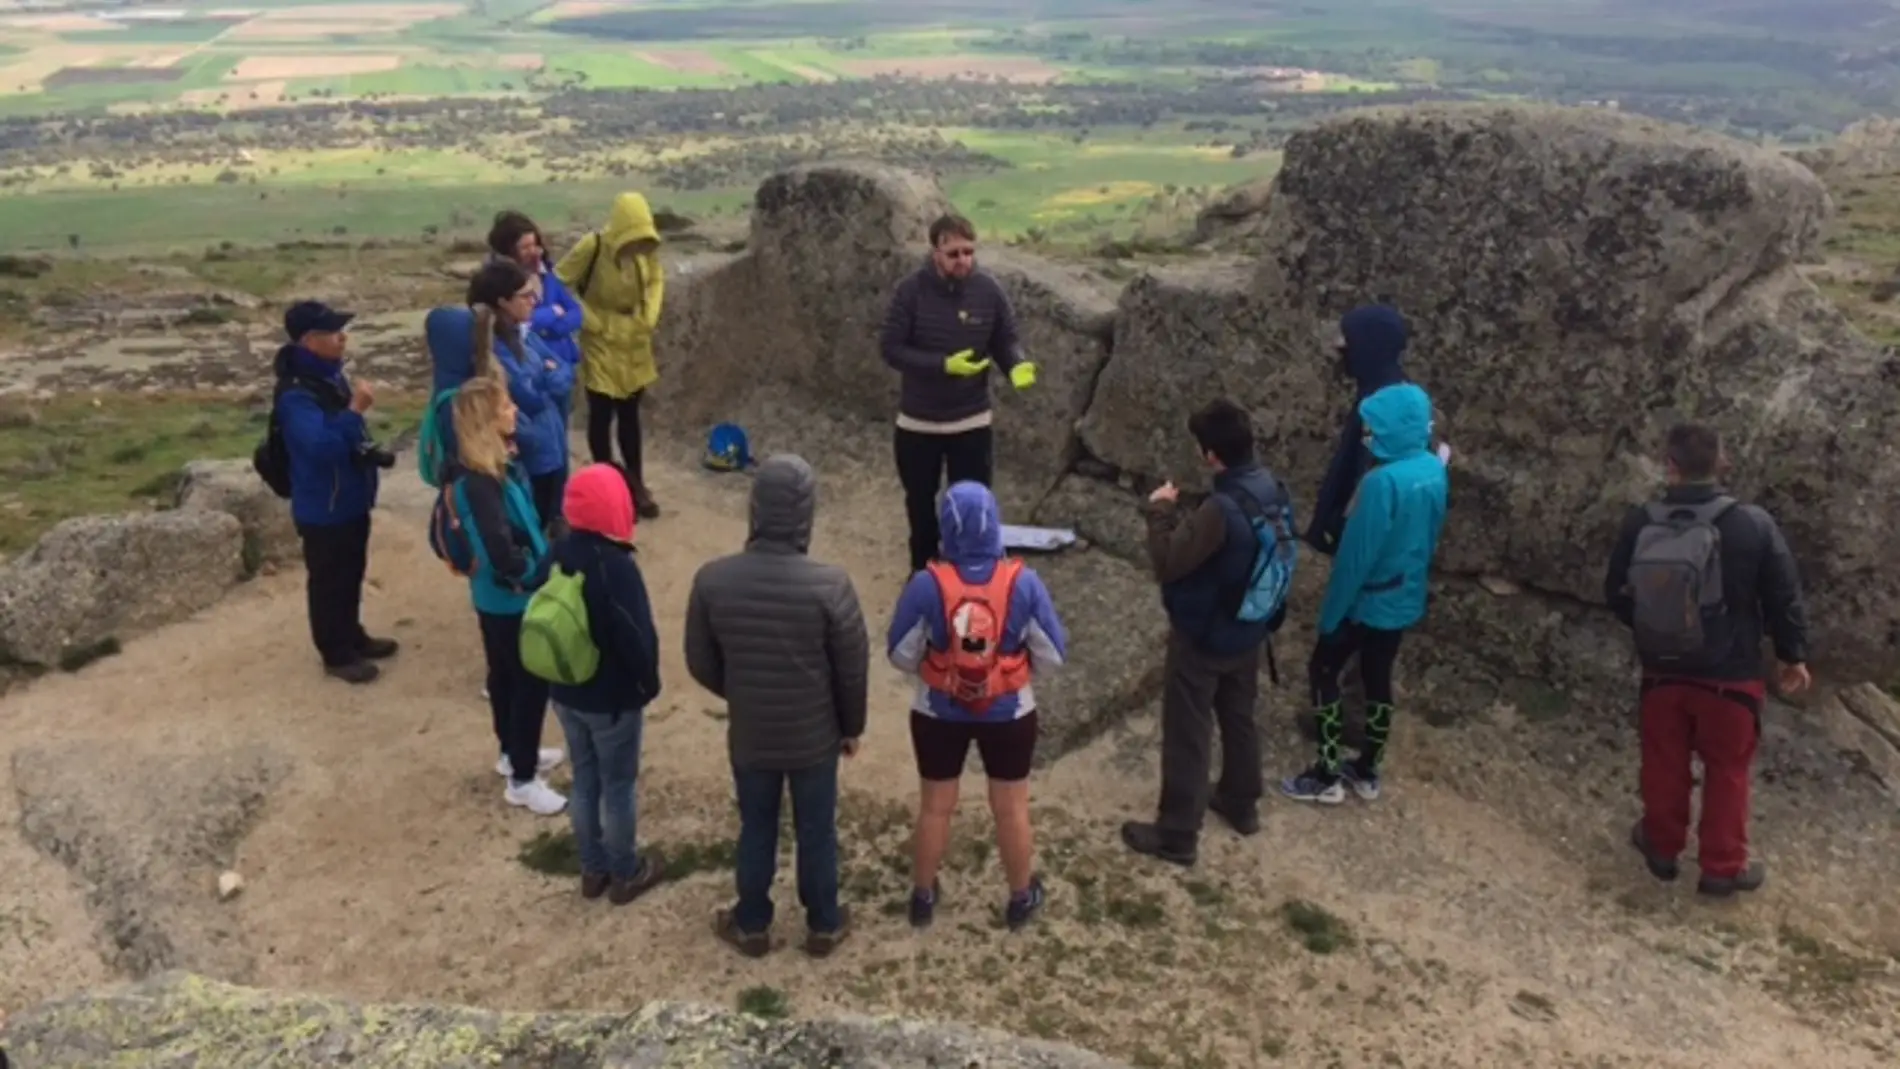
[(601, 412), (517, 699), (1378, 651)]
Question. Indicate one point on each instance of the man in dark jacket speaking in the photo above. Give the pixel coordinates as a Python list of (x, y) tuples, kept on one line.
[(781, 638), (947, 325)]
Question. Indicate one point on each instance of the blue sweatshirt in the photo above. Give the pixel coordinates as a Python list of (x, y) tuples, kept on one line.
[(330, 483), (973, 540)]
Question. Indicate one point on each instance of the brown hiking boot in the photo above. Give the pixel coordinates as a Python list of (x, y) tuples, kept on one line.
[(645, 878), (751, 944), (1750, 878), (594, 884), (821, 944)]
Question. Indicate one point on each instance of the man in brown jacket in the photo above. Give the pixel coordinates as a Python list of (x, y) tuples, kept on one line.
[(781, 638), (1205, 561)]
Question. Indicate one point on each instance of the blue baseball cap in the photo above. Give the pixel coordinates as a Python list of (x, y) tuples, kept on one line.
[(308, 317)]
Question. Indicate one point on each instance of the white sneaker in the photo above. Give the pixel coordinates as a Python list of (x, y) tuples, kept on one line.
[(547, 761), (536, 797)]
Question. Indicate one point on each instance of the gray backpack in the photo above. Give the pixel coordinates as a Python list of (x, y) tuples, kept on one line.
[(1675, 579)]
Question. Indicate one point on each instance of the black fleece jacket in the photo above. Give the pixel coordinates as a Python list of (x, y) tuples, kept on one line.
[(1761, 588)]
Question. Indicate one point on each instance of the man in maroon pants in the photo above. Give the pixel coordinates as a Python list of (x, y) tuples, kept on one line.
[(1698, 577)]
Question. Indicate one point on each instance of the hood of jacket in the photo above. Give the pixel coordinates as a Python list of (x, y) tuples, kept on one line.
[(784, 498), (450, 333), (971, 524), (295, 360), (1398, 421), (597, 501), (631, 220), (1375, 338)]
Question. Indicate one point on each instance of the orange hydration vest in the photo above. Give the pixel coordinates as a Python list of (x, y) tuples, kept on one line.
[(974, 670)]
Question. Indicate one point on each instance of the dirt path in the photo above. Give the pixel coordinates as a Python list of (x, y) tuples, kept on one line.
[(384, 864)]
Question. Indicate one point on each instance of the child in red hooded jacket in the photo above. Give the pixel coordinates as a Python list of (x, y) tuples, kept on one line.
[(605, 717)]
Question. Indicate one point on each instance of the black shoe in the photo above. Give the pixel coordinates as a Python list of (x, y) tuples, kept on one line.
[(1023, 908), (923, 905), (354, 672), (646, 877), (643, 504), (1663, 868), (1749, 879), (1152, 841), (1244, 819), (377, 649)]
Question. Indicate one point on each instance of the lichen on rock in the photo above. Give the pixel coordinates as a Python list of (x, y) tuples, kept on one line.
[(180, 1018)]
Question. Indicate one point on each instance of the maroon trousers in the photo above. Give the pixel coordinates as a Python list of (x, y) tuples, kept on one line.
[(1719, 721)]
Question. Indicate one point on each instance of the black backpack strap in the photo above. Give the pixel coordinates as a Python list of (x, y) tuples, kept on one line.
[(587, 276)]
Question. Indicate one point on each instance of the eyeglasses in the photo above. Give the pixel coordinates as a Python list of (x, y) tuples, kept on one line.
[(960, 254)]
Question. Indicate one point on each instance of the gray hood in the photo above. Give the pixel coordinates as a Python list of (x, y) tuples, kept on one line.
[(784, 497)]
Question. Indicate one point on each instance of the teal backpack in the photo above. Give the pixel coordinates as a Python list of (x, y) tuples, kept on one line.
[(434, 449), (555, 642)]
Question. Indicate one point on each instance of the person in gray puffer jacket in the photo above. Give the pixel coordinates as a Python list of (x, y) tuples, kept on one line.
[(781, 638)]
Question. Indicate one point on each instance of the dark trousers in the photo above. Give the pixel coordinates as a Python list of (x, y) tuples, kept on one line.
[(1378, 652), (815, 824), (547, 491), (1718, 722), (335, 558), (602, 411), (922, 460), (517, 699), (1204, 693)]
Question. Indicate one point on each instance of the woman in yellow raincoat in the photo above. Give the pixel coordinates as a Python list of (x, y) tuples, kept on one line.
[(616, 276)]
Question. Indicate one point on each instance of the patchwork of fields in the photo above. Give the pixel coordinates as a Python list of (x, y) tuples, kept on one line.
[(214, 55)]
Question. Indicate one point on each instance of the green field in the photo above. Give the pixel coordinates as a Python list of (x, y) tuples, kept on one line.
[(81, 455)]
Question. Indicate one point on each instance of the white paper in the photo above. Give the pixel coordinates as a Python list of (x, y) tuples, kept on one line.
[(1045, 539)]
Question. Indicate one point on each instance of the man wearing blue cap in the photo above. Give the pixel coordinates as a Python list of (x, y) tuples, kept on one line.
[(334, 466)]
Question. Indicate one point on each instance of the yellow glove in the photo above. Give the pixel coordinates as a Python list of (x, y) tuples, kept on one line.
[(1023, 375), (965, 364)]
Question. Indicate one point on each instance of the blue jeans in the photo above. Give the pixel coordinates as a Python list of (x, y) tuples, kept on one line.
[(605, 751), (814, 822)]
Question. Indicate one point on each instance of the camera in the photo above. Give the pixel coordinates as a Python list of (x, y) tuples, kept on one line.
[(370, 454)]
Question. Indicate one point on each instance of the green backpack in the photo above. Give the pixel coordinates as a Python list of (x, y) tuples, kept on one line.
[(555, 643)]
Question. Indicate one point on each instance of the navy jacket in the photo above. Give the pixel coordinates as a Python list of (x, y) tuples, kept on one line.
[(330, 481), (1204, 560), (620, 619), (1375, 337), (930, 318)]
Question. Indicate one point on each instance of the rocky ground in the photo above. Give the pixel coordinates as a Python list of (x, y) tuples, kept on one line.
[(1484, 911)]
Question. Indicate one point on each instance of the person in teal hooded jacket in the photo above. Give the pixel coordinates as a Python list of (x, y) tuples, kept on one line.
[(1378, 588)]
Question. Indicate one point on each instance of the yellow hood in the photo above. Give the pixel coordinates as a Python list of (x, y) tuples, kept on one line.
[(631, 220)]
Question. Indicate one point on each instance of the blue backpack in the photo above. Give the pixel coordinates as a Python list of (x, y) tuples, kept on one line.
[(1276, 556), (727, 448)]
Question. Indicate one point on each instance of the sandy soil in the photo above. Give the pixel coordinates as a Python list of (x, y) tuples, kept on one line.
[(1005, 68), (275, 68), (385, 865)]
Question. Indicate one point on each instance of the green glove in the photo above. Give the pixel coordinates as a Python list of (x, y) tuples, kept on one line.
[(1023, 375), (965, 364)]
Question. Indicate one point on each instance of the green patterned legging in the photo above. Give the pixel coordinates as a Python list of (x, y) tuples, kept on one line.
[(1378, 651)]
